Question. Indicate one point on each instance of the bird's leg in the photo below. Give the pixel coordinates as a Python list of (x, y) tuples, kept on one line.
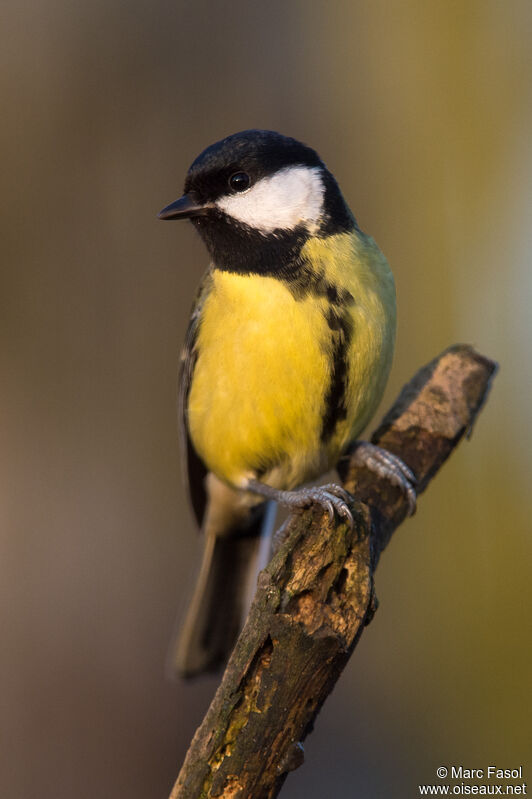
[(388, 466), (331, 497)]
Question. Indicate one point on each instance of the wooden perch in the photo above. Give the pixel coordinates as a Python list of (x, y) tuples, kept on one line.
[(316, 595)]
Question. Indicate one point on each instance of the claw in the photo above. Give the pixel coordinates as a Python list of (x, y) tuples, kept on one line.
[(391, 467), (337, 501), (348, 516), (326, 496), (412, 499), (332, 498), (330, 510), (338, 491)]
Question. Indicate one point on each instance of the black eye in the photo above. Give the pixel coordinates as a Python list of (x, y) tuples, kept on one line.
[(240, 181)]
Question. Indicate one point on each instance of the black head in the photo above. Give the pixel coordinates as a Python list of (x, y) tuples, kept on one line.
[(256, 193), (257, 153)]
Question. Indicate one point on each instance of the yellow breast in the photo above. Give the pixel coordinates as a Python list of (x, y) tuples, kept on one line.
[(263, 372)]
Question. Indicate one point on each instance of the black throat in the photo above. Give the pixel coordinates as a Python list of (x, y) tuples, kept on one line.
[(236, 247)]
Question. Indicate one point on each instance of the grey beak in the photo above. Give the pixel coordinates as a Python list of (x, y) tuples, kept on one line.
[(183, 208)]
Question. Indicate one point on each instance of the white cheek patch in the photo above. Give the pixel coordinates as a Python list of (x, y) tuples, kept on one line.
[(290, 197)]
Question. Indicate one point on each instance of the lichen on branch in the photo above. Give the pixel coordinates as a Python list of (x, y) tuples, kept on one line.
[(317, 595)]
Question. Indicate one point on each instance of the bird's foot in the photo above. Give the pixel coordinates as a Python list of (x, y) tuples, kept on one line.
[(332, 498), (389, 467)]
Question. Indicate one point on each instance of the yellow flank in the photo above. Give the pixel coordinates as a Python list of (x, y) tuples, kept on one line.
[(259, 387), (354, 262)]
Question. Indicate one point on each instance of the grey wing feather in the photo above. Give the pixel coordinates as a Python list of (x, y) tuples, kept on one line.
[(194, 469)]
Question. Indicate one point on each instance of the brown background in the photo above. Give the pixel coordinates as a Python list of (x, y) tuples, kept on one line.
[(423, 111)]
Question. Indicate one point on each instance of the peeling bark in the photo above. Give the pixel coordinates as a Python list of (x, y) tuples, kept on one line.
[(316, 595)]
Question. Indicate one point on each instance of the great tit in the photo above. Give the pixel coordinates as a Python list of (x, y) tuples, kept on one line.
[(286, 357)]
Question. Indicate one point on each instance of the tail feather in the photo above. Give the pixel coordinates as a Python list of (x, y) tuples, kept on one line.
[(222, 592)]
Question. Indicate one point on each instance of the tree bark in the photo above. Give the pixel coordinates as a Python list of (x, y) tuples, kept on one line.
[(316, 595)]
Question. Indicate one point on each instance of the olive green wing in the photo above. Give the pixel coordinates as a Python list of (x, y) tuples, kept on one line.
[(194, 469)]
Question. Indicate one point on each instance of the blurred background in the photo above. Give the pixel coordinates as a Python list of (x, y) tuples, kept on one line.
[(423, 111)]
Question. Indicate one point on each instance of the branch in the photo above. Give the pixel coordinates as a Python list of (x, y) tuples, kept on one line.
[(316, 595)]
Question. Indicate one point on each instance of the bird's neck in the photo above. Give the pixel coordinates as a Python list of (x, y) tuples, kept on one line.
[(238, 248), (241, 249)]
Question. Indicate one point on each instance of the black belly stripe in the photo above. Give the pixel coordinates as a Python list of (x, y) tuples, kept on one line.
[(310, 280), (335, 405)]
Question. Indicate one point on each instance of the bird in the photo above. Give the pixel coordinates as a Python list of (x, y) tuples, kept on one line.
[(286, 357)]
